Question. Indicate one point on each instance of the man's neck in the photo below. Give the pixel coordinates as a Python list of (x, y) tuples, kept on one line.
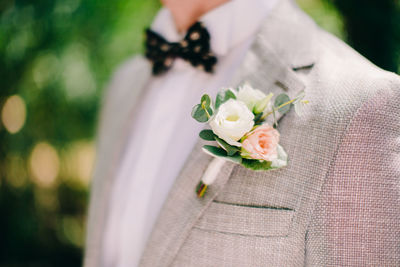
[(187, 12)]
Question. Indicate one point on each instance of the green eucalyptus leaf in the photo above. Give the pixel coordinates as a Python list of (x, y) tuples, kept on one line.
[(205, 104), (224, 96), (215, 151), (299, 107), (281, 99), (235, 158), (285, 109), (230, 150), (199, 114), (275, 124), (257, 118), (221, 153), (205, 101), (207, 135), (256, 165), (209, 111)]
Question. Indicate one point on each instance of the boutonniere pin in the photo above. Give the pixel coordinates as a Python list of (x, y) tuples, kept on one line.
[(239, 129)]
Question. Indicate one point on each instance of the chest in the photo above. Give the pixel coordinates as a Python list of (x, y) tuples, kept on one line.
[(255, 218)]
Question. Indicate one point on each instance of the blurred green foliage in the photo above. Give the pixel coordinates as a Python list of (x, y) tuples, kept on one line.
[(58, 55), (373, 29)]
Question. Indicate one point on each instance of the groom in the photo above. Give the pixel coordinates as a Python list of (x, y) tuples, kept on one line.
[(337, 203)]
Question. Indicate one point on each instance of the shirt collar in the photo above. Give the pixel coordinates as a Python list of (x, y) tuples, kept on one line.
[(228, 24)]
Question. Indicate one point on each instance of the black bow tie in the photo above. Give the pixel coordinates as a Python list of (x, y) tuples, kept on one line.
[(195, 48)]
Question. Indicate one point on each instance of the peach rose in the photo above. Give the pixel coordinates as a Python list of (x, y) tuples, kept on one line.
[(261, 143)]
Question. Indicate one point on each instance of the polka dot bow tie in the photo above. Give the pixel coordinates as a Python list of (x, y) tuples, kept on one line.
[(194, 48)]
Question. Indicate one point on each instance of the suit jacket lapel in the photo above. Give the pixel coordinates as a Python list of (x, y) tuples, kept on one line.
[(269, 65)]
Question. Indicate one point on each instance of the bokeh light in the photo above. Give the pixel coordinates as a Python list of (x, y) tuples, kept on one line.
[(71, 231), (78, 160), (13, 114), (16, 173), (46, 68), (56, 57), (77, 77), (44, 164), (46, 199)]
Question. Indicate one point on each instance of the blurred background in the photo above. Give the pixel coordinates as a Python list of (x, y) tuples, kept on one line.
[(56, 57)]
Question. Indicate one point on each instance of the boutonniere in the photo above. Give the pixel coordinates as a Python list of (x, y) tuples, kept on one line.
[(243, 129)]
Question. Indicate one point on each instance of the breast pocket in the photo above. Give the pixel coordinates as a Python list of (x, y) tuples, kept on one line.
[(261, 221)]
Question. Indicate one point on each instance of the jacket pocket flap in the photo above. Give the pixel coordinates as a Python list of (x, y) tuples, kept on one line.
[(246, 220)]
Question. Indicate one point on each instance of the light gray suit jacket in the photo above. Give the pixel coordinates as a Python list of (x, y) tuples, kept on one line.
[(337, 203)]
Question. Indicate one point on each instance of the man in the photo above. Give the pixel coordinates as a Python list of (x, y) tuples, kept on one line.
[(335, 204)]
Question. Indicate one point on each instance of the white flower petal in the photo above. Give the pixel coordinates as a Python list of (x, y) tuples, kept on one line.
[(232, 121), (249, 95)]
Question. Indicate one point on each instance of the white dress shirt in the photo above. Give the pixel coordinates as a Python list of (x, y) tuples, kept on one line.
[(164, 132)]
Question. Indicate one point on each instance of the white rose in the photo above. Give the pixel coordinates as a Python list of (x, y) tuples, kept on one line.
[(232, 121), (249, 96)]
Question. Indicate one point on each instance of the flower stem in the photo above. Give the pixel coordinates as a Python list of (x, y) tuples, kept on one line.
[(277, 108), (201, 189)]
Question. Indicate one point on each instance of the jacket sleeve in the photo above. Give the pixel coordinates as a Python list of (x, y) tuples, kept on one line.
[(111, 110), (356, 221)]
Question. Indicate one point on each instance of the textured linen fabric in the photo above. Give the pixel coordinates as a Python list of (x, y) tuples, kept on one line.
[(337, 203), (163, 133)]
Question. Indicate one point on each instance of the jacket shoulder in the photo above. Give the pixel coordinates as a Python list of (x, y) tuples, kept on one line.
[(348, 77)]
